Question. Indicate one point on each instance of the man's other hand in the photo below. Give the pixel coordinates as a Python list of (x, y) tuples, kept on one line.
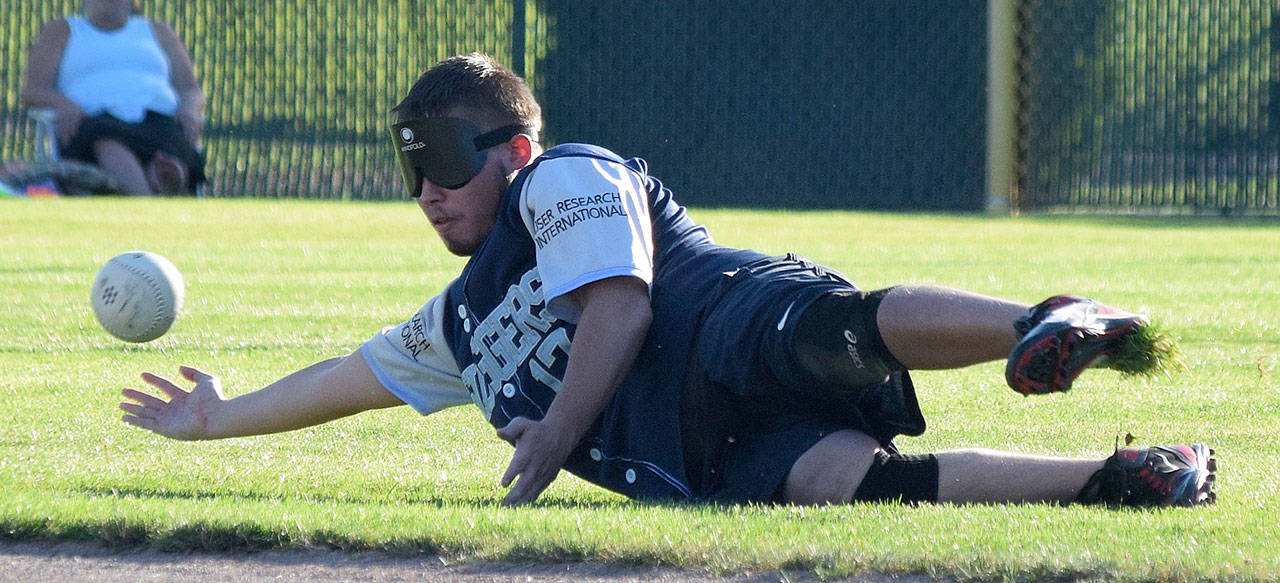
[(540, 452)]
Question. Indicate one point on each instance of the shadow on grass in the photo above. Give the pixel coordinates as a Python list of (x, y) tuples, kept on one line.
[(435, 501), (200, 536), (175, 535), (212, 536), (123, 536), (244, 536)]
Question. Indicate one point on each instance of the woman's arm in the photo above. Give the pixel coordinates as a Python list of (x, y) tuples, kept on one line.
[(183, 78), (40, 80)]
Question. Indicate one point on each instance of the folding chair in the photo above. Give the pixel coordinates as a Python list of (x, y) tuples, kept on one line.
[(45, 164), (46, 149)]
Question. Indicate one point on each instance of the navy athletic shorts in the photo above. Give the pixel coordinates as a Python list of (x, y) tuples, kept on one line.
[(752, 426), (761, 450)]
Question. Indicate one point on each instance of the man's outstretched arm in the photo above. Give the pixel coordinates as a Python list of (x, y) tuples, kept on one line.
[(322, 392)]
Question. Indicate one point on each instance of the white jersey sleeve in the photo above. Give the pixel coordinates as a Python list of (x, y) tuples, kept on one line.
[(589, 219), (413, 361)]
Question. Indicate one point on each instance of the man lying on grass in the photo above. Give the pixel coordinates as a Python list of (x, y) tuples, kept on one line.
[(601, 331)]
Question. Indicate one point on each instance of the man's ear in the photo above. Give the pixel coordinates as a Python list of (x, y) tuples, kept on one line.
[(519, 153)]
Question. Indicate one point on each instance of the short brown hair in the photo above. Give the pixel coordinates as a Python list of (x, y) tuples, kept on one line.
[(477, 83)]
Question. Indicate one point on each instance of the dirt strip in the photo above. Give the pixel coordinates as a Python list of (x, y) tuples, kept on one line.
[(74, 562)]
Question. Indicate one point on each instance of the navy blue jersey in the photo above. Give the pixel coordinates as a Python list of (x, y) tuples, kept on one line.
[(513, 352)]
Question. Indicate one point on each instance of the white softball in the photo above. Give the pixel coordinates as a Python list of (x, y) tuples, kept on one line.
[(137, 296)]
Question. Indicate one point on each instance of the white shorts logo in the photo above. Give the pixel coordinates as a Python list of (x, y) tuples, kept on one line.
[(851, 346), (783, 321)]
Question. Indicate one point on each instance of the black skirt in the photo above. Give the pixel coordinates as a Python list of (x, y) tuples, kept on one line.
[(155, 133)]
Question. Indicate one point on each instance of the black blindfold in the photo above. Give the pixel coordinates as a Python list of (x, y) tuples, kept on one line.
[(448, 151)]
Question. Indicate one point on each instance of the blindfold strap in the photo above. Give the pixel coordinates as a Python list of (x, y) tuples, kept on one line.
[(492, 138)]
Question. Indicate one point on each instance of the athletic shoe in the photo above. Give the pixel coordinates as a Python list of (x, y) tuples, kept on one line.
[(1173, 475), (1061, 337)]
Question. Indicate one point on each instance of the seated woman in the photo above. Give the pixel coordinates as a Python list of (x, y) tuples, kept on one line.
[(125, 95)]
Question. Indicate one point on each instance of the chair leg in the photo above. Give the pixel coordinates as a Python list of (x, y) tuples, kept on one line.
[(46, 120)]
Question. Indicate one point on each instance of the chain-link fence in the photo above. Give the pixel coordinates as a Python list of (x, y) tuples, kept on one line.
[(805, 103), (1163, 105), (1157, 105)]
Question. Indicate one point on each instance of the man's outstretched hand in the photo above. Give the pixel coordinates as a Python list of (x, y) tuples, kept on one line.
[(185, 415)]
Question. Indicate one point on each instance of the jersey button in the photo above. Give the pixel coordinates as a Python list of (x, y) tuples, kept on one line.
[(596, 454), (462, 311), (631, 476), (509, 390)]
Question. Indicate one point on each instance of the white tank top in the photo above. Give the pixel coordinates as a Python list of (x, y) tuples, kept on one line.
[(122, 72)]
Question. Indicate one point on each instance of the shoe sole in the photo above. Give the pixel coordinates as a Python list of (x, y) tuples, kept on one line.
[(1195, 487), (1041, 365)]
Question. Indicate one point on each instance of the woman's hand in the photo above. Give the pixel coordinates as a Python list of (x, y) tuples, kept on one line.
[(69, 117)]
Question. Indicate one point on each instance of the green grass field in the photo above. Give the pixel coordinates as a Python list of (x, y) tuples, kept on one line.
[(273, 286)]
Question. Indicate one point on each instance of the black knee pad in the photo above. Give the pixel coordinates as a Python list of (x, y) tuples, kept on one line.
[(909, 479), (837, 340)]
